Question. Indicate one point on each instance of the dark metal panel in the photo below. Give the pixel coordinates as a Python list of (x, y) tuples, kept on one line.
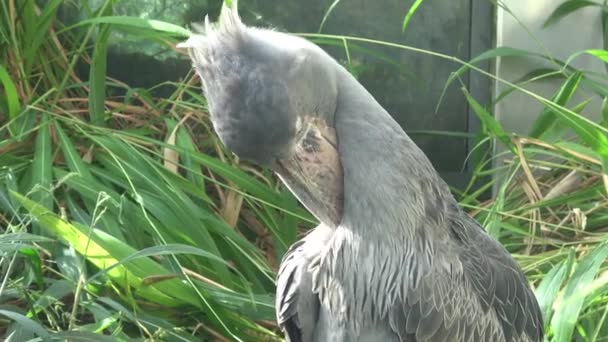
[(407, 84)]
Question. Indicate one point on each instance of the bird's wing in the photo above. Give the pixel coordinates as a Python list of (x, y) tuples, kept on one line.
[(297, 306), (481, 296)]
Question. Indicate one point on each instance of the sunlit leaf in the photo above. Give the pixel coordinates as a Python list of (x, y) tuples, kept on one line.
[(410, 14)]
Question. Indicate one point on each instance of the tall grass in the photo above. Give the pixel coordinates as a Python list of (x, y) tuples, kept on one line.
[(123, 217)]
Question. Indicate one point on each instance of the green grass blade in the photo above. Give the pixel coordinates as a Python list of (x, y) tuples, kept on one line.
[(10, 95), (544, 125), (499, 52), (172, 249), (27, 324), (42, 165), (410, 14), (193, 168), (605, 112), (567, 8), (327, 13), (84, 336), (156, 25), (490, 124), (22, 237), (90, 245), (547, 290), (70, 155), (39, 33), (97, 77), (588, 131), (567, 312), (600, 54)]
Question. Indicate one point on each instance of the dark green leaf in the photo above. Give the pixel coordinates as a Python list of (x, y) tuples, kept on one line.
[(97, 77), (545, 124), (489, 123), (9, 93), (567, 8), (27, 323)]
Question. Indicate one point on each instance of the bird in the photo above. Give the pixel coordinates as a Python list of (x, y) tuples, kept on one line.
[(394, 257)]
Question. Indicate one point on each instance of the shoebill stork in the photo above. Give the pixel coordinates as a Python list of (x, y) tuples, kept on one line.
[(394, 257)]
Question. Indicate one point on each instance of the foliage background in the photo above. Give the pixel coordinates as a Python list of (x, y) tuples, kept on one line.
[(124, 218)]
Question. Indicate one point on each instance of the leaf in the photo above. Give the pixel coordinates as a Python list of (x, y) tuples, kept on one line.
[(567, 8), (589, 132), (97, 77), (170, 155), (27, 324), (568, 310), (172, 249), (40, 32), (489, 123), (22, 237), (547, 290), (503, 51), (84, 336), (604, 111), (70, 155), (544, 74), (546, 121), (104, 251), (135, 22), (52, 294), (192, 168), (600, 54), (6, 248), (42, 165), (10, 94), (410, 14), (327, 13), (90, 245)]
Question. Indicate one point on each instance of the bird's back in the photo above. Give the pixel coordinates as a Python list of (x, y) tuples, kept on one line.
[(478, 294)]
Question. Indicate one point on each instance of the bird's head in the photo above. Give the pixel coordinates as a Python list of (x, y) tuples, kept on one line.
[(272, 99)]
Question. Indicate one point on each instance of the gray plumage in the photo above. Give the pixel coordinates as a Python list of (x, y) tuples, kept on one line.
[(404, 262)]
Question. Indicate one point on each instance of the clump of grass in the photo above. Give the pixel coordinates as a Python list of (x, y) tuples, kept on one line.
[(123, 216)]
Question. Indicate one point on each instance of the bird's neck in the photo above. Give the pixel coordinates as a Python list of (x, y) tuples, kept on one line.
[(396, 214), (391, 190)]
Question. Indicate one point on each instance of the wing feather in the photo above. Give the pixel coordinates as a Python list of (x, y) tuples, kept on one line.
[(488, 299), (297, 306)]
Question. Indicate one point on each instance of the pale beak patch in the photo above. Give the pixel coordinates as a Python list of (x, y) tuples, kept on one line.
[(314, 172)]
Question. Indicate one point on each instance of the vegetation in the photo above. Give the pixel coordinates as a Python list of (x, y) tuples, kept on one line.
[(123, 217)]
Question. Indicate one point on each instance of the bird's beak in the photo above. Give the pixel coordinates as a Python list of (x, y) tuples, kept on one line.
[(314, 172)]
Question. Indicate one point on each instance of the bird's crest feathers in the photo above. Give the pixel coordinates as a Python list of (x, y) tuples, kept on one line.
[(229, 29)]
